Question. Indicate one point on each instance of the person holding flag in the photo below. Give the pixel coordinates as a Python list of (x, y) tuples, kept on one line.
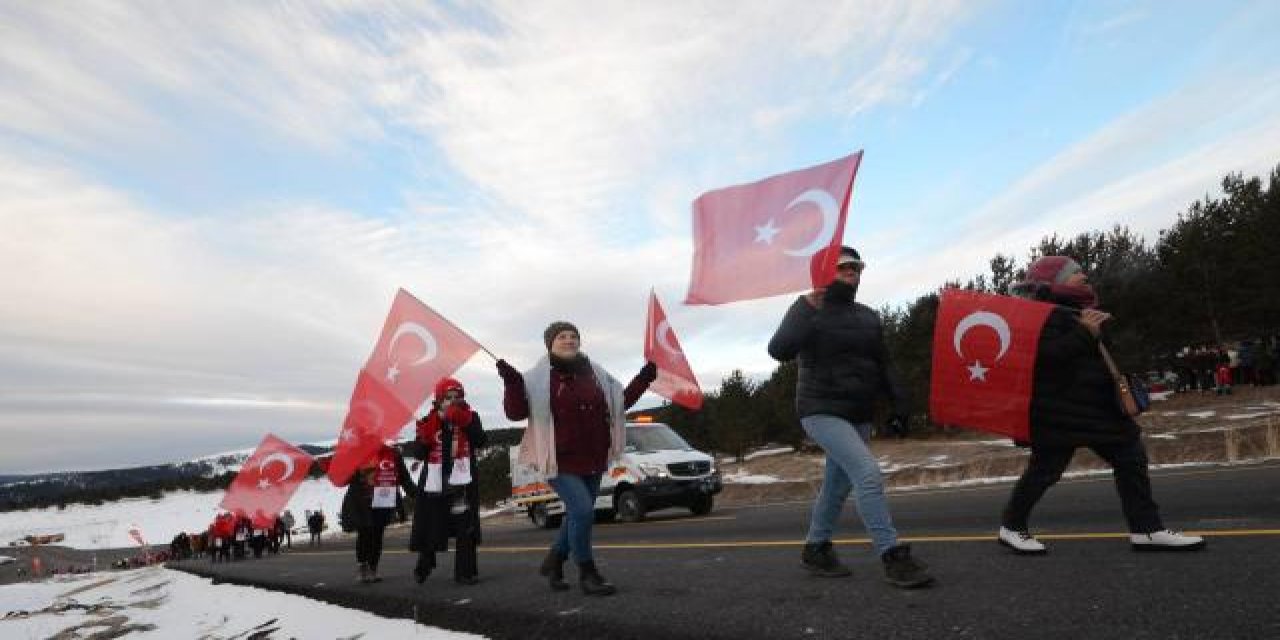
[(448, 504), (1073, 404), (843, 366), (577, 416), (371, 503)]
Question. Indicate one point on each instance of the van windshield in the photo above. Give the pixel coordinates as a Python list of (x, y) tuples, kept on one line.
[(658, 437)]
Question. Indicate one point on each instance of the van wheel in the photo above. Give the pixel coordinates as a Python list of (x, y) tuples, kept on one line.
[(541, 519), (701, 505), (629, 507)]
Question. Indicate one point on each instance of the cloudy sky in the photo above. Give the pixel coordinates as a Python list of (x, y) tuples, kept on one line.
[(206, 209)]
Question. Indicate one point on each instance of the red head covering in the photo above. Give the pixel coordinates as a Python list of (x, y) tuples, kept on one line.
[(449, 384)]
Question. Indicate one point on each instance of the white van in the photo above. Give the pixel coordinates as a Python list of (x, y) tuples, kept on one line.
[(658, 470)]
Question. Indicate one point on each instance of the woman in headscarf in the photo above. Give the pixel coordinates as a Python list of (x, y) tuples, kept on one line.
[(577, 419), (448, 503), (1073, 404)]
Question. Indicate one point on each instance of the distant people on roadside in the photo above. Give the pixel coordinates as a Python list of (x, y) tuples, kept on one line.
[(370, 504), (1223, 378), (260, 534), (576, 414), (289, 522), (844, 366), (315, 526), (223, 532), (243, 530), (448, 494), (1073, 404)]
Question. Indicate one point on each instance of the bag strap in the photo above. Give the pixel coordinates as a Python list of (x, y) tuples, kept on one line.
[(1111, 364)]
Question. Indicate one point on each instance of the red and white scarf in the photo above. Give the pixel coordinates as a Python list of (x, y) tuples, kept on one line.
[(458, 416)]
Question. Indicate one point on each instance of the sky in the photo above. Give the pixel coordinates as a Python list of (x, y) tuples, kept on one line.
[(206, 209)]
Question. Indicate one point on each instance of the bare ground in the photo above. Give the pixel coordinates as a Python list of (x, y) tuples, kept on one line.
[(1187, 428)]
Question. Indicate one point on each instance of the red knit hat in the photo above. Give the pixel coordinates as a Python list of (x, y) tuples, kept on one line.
[(449, 384)]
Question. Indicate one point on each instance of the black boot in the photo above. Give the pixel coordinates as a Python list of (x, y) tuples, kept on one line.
[(423, 568), (820, 559), (901, 570), (592, 583), (553, 570)]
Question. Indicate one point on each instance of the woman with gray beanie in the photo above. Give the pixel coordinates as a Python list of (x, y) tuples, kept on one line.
[(577, 416)]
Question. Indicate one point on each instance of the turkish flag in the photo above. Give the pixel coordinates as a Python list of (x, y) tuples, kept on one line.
[(775, 236), (267, 480), (984, 360), (374, 415), (417, 348), (675, 381)]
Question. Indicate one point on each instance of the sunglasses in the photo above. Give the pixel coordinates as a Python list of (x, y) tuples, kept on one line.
[(452, 395), (852, 265)]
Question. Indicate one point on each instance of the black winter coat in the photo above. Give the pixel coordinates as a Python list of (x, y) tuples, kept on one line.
[(433, 524), (357, 505), (844, 363), (1073, 401)]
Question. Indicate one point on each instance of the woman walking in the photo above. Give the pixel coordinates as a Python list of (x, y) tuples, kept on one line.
[(577, 419), (448, 503), (1073, 404), (844, 366)]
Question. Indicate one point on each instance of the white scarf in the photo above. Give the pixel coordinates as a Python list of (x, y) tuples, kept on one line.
[(538, 446)]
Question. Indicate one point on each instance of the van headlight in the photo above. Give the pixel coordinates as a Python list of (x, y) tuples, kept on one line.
[(654, 470)]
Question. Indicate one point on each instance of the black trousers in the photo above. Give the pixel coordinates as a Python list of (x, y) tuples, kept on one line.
[(465, 564), (1128, 467), (369, 544)]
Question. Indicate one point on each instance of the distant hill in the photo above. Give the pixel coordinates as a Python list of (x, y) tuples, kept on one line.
[(207, 473)]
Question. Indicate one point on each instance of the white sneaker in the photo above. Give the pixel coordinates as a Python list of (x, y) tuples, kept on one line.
[(1021, 542), (1165, 540)]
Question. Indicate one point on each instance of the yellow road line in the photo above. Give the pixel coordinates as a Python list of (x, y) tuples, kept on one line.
[(748, 544)]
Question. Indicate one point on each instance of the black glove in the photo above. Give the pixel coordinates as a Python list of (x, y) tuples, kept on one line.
[(509, 373), (648, 373), (898, 425)]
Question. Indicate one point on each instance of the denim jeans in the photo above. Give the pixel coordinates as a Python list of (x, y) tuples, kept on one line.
[(578, 493), (850, 466)]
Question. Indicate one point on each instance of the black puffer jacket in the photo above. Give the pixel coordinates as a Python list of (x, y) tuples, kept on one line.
[(844, 364), (1073, 402)]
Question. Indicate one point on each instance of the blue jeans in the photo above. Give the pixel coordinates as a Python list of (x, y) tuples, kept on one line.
[(578, 493), (849, 465)]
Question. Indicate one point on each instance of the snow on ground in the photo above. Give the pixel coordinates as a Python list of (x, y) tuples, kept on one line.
[(767, 452), (1203, 414), (1246, 416), (107, 526), (742, 476), (173, 604)]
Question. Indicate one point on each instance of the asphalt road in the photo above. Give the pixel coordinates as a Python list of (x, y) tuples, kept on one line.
[(736, 574)]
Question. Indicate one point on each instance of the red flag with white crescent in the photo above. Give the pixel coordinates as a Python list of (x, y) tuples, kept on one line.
[(416, 349), (775, 236), (675, 381), (984, 359), (266, 480), (374, 416)]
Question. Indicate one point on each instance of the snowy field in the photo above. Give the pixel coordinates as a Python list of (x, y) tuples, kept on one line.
[(107, 526), (172, 604)]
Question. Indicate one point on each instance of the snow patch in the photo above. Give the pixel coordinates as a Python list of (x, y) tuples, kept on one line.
[(742, 476), (178, 605), (1203, 414), (767, 452)]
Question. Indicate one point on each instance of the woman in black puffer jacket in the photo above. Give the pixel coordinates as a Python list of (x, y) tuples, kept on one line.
[(1074, 405)]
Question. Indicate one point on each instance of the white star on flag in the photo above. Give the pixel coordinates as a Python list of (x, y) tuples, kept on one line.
[(766, 232), (977, 371), (263, 483), (348, 435), (393, 372)]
